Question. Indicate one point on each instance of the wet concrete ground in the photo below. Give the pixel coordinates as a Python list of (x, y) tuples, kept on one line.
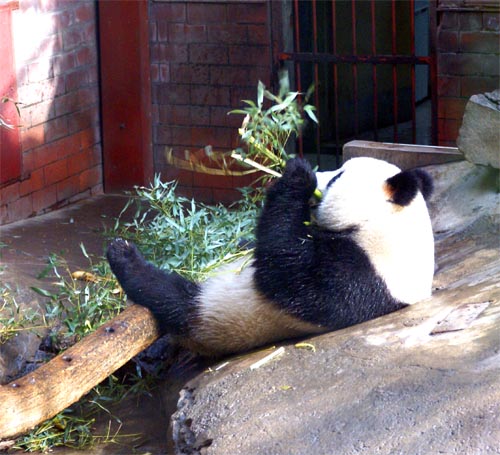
[(26, 245)]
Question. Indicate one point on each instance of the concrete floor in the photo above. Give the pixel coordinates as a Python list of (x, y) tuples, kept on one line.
[(25, 247)]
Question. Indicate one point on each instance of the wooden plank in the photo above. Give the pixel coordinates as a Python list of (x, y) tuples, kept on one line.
[(61, 382), (405, 156)]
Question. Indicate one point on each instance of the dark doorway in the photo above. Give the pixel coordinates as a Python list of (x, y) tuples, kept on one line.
[(373, 67)]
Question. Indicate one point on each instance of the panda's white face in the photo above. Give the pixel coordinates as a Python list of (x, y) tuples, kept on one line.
[(397, 238)]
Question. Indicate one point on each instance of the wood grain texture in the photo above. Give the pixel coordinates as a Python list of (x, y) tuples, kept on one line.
[(54, 386)]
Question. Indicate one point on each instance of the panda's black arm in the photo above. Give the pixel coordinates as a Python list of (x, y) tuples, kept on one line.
[(283, 240)]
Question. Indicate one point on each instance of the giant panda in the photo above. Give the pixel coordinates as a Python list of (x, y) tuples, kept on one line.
[(365, 250)]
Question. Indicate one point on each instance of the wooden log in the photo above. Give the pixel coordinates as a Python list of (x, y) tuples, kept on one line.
[(61, 382)]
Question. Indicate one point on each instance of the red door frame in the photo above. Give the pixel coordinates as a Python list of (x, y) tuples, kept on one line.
[(125, 94), (10, 150)]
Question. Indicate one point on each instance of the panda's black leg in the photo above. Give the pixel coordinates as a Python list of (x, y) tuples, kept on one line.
[(169, 296)]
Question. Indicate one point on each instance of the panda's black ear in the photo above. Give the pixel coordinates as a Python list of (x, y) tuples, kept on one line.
[(403, 187)]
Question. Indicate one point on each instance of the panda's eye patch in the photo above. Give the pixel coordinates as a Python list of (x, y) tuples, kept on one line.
[(332, 181)]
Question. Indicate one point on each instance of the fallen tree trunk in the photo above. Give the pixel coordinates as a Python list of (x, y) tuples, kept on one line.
[(61, 382)]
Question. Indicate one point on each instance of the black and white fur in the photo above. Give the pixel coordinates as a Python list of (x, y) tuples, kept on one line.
[(368, 252)]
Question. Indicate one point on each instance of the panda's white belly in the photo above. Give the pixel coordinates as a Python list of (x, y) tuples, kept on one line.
[(232, 316)]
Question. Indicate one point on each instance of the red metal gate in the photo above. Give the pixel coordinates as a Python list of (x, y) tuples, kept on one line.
[(372, 63)]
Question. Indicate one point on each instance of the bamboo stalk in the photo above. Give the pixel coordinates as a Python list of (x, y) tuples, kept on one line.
[(61, 382)]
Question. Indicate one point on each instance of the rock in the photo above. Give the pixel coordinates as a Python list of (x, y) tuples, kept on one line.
[(419, 381), (479, 137)]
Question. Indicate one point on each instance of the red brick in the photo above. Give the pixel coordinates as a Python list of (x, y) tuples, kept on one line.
[(63, 63), (210, 95), (208, 53), (85, 56), (72, 38), (56, 128), (39, 71), (490, 65), (56, 172), (449, 86), (162, 134), (247, 13), (88, 138), (243, 93), (67, 103), (213, 181), (32, 137), (171, 93), (9, 193), (85, 12), (68, 187), (34, 183), (205, 13), (249, 55), (153, 31), (78, 162), (217, 137), (189, 74), (40, 91), (45, 155), (228, 34), (20, 208), (474, 85), (28, 162), (64, 19), (76, 79), (451, 108), (491, 22), (226, 196), (95, 155), (448, 128), (461, 64), (449, 20), (470, 21), (483, 42), (4, 216), (44, 199), (219, 117), (89, 33), (169, 53), (258, 34), (161, 31), (175, 115), (200, 115), (90, 178), (170, 12), (447, 41), (66, 146), (181, 135), (164, 72), (185, 33), (234, 76), (92, 74), (40, 112)]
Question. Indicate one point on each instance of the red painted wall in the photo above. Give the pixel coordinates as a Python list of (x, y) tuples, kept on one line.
[(54, 46)]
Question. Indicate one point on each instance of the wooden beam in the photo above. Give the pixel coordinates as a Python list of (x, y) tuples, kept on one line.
[(61, 382)]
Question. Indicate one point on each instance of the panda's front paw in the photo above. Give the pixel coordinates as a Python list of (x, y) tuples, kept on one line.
[(122, 256), (300, 176)]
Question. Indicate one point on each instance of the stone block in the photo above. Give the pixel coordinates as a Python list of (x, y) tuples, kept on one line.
[(479, 137)]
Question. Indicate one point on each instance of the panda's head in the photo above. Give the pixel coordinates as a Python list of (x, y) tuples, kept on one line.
[(386, 210)]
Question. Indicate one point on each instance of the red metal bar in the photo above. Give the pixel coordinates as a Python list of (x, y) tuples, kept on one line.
[(316, 81), (297, 63), (374, 74), (394, 72), (433, 71), (335, 84), (412, 69), (355, 68)]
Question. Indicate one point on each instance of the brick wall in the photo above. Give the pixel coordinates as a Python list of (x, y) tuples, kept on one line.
[(205, 58), (56, 64), (468, 59)]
